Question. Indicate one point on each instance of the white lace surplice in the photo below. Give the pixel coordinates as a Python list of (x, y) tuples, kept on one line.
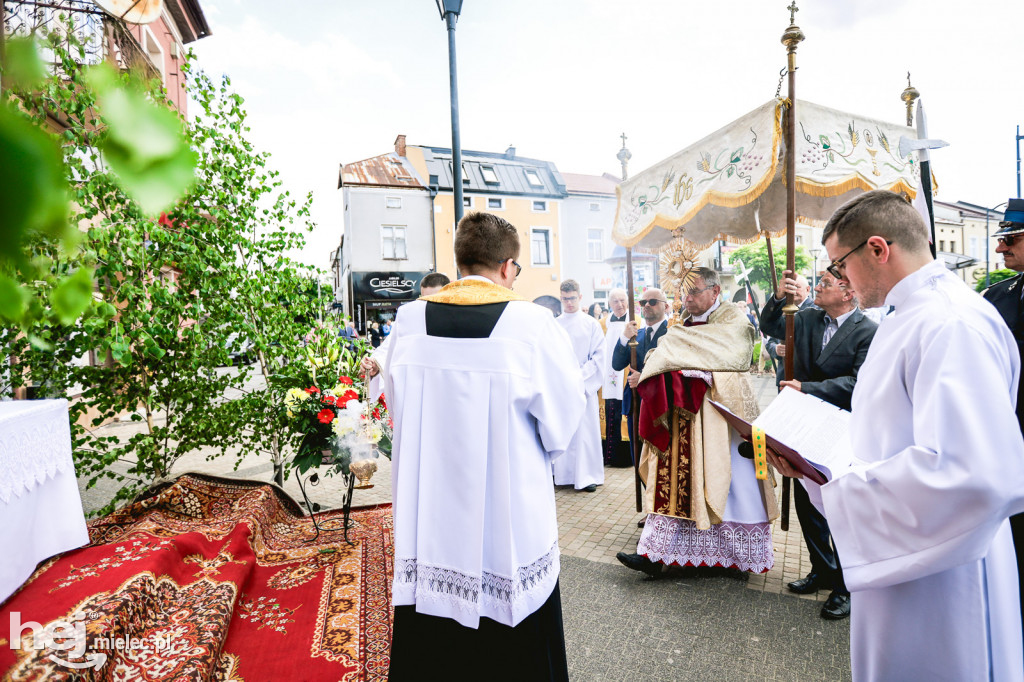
[(477, 422), (743, 540)]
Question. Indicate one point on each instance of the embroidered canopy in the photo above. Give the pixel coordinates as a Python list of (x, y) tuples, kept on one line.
[(712, 189)]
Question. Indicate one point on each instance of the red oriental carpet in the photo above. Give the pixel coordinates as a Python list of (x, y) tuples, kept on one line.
[(209, 579)]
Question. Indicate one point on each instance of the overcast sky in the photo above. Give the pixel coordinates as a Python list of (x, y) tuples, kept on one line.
[(335, 82)]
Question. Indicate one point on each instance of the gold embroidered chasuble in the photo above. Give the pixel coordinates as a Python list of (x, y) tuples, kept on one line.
[(691, 479)]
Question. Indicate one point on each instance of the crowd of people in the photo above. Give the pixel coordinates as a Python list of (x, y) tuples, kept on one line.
[(495, 401)]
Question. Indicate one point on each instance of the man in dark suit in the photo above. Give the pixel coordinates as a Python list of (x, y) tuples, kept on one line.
[(654, 307), (831, 343), (803, 301), (1006, 297)]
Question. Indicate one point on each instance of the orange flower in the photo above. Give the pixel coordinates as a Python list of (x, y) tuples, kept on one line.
[(325, 416)]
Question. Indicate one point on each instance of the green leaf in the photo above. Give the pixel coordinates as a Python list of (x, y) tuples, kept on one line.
[(144, 143), (72, 296), (24, 69), (13, 300), (33, 191)]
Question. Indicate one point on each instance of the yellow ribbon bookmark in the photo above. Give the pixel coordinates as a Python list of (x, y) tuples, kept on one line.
[(760, 442)]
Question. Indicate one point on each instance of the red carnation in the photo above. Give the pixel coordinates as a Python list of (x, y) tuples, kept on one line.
[(345, 380), (381, 402), (329, 400), (326, 416), (311, 390), (376, 413)]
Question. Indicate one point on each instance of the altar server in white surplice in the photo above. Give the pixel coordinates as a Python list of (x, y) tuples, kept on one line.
[(582, 465), (937, 462), (485, 392)]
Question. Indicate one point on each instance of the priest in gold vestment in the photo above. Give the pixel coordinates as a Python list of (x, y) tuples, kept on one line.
[(707, 508)]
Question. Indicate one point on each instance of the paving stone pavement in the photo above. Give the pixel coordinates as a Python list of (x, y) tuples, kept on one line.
[(619, 626), (759, 629)]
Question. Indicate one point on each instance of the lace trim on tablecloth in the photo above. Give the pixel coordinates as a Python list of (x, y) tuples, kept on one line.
[(465, 592), (746, 546), (35, 443)]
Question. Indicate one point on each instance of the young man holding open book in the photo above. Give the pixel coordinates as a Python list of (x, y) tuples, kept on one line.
[(935, 462)]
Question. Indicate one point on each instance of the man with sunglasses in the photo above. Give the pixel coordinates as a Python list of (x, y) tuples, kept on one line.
[(654, 308), (936, 462), (1006, 296)]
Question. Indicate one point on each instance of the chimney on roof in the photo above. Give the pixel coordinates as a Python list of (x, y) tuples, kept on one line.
[(510, 153), (400, 145)]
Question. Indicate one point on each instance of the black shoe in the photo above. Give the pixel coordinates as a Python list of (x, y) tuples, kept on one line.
[(808, 585), (592, 488), (837, 607), (641, 523), (639, 563)]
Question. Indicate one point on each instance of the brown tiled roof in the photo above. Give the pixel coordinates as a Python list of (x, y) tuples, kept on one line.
[(576, 183), (386, 170)]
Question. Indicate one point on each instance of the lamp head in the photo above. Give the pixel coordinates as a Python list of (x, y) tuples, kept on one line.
[(445, 7)]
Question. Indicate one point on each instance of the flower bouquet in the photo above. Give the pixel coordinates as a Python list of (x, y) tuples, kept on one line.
[(324, 407)]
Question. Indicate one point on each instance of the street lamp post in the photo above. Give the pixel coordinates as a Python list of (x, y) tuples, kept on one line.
[(988, 211), (1019, 138), (814, 270), (450, 10)]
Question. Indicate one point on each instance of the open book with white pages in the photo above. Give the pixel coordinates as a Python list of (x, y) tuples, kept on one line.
[(808, 432)]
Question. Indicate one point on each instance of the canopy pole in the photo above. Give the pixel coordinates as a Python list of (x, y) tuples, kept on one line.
[(635, 417), (791, 38)]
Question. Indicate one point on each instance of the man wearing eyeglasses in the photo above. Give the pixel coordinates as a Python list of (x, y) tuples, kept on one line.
[(707, 506), (936, 462), (581, 465), (485, 392), (831, 343), (1006, 296)]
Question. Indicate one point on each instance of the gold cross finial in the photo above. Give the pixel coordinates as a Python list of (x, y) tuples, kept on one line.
[(793, 9), (908, 79), (623, 136)]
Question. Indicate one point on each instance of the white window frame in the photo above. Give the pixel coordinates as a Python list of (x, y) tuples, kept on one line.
[(489, 170), (499, 207), (550, 248), (533, 173), (599, 243), (393, 202), (154, 50), (467, 202), (393, 238), (544, 206)]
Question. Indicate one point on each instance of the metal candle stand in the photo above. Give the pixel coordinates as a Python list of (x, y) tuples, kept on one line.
[(348, 482)]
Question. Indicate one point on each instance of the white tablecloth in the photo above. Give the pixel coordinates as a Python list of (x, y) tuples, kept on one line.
[(40, 507)]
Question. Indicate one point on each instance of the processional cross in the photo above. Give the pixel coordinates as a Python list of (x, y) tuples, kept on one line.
[(793, 9)]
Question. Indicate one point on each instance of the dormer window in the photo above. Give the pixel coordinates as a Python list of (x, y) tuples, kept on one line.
[(533, 177), (490, 177)]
